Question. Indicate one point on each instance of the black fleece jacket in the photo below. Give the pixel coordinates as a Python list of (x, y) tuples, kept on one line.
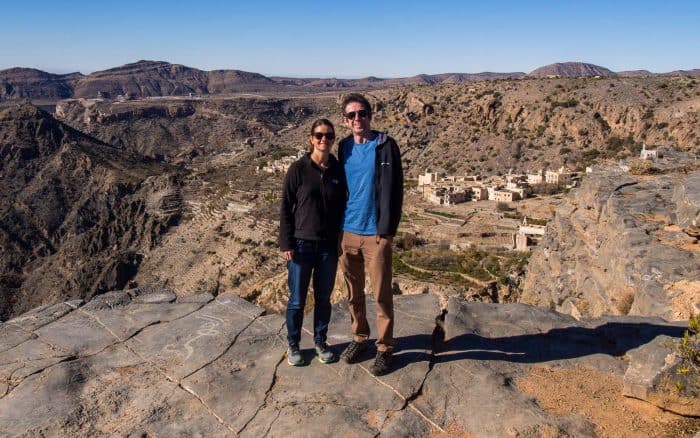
[(388, 182), (313, 202)]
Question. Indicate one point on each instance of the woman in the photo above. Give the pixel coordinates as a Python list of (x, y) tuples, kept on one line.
[(310, 218)]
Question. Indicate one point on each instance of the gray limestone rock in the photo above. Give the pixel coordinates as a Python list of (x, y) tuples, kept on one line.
[(77, 334), (154, 296), (124, 322), (112, 393), (652, 374), (109, 300), (235, 386), (365, 403), (188, 344), (121, 367), (12, 335), (617, 246), (26, 359), (686, 196), (199, 298), (43, 315), (414, 325)]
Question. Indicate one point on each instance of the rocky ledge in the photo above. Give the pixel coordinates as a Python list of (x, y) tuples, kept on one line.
[(145, 362), (623, 244)]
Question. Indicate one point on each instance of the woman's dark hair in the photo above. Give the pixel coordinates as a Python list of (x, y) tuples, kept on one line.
[(316, 124), (356, 97), (321, 122)]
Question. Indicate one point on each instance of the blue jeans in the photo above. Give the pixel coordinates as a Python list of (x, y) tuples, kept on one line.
[(317, 260)]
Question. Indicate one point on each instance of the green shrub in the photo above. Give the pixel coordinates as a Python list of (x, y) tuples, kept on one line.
[(688, 349), (570, 103)]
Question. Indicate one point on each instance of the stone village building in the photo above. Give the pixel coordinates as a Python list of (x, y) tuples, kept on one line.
[(452, 190)]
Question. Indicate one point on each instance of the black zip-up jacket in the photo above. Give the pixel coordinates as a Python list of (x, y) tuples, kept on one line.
[(388, 183), (313, 202)]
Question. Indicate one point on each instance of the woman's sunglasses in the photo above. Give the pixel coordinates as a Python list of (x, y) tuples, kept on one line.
[(320, 135)]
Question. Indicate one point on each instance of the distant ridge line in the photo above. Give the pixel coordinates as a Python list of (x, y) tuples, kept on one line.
[(160, 78)]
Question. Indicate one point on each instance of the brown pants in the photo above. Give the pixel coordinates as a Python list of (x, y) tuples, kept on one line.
[(370, 254)]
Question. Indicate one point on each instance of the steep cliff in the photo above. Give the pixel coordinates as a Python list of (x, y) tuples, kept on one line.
[(623, 244), (75, 213)]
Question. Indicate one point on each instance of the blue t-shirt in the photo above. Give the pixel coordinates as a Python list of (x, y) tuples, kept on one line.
[(361, 210)]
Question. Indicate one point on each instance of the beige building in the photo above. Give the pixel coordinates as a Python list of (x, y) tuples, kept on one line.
[(446, 195), (535, 178), (479, 193), (462, 178), (519, 188), (427, 179), (560, 176), (505, 196), (520, 242), (456, 197)]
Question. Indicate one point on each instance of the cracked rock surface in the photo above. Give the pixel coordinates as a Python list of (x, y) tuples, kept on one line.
[(131, 364)]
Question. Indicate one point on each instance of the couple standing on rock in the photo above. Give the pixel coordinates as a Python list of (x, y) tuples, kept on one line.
[(355, 200)]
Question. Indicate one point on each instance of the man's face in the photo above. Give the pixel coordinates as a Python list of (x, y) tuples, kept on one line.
[(358, 125)]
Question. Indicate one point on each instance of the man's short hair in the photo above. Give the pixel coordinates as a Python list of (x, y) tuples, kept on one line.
[(356, 97)]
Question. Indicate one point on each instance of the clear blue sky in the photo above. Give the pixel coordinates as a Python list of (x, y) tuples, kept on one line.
[(352, 38)]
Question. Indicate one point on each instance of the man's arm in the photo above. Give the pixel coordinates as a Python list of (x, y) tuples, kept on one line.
[(396, 188)]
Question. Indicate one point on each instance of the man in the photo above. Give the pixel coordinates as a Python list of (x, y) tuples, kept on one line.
[(372, 163)]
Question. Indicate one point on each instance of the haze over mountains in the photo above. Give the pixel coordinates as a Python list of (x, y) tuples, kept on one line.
[(158, 78)]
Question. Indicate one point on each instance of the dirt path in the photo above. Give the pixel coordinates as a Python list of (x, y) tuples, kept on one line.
[(598, 397), (481, 283)]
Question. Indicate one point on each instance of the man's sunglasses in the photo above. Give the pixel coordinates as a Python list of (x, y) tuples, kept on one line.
[(362, 114), (320, 135)]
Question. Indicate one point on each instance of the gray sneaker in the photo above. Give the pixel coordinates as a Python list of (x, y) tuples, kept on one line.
[(325, 354), (294, 356)]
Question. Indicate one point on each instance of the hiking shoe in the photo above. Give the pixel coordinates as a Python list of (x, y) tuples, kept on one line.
[(382, 363), (294, 356), (353, 352), (325, 354)]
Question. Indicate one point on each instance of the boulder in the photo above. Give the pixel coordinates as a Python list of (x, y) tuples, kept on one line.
[(652, 375)]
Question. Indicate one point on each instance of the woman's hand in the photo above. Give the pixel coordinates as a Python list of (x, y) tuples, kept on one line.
[(288, 255)]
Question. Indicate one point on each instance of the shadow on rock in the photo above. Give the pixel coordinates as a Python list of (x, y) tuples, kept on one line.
[(614, 339)]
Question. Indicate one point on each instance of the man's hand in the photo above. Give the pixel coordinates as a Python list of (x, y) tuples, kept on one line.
[(288, 255)]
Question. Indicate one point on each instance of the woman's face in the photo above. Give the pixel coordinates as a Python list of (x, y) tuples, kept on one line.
[(322, 138)]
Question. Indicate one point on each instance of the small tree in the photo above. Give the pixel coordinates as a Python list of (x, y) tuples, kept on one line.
[(502, 206)]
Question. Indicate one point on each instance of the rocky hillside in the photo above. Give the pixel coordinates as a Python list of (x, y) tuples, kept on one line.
[(486, 127), (531, 124), (570, 70), (153, 364), (29, 83), (192, 127), (75, 213), (623, 244)]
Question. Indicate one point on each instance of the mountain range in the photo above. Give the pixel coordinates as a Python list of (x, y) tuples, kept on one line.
[(159, 78)]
